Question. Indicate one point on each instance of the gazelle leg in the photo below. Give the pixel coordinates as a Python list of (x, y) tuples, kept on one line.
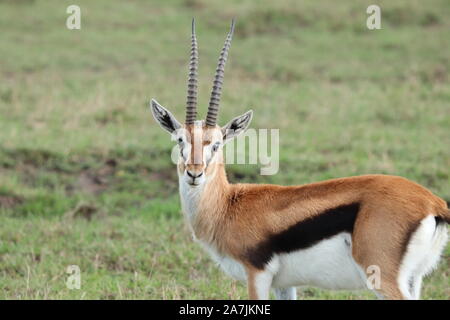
[(286, 293), (416, 287), (259, 283), (391, 291)]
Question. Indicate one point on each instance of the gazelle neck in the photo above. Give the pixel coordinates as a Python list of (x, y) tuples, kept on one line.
[(203, 205)]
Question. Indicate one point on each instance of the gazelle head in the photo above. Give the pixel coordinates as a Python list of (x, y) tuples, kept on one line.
[(201, 141)]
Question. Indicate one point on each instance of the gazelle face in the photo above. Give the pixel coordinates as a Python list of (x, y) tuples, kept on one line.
[(200, 146), (200, 142)]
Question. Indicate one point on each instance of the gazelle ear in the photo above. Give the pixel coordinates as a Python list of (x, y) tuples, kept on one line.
[(164, 117), (236, 126)]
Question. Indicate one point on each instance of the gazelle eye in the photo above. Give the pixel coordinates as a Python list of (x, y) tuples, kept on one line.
[(215, 146), (180, 140)]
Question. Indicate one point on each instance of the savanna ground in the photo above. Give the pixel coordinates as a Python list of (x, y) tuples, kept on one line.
[(85, 172)]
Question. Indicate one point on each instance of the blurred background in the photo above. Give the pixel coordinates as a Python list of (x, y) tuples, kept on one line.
[(85, 172)]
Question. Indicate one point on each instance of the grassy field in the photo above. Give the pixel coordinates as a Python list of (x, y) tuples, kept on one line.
[(85, 172)]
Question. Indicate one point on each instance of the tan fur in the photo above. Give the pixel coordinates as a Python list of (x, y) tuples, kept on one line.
[(251, 284)]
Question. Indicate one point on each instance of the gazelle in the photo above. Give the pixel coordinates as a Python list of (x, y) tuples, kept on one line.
[(325, 234)]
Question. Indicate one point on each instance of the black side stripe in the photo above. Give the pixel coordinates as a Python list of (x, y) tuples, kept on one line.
[(305, 234)]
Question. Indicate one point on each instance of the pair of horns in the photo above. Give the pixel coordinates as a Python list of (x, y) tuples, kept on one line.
[(191, 104)]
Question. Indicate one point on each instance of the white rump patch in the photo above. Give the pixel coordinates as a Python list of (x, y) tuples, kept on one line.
[(422, 255)]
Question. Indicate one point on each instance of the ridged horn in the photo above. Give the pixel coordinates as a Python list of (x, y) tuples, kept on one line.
[(213, 109), (191, 103)]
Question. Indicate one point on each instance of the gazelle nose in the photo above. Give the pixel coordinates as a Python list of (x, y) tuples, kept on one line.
[(194, 175)]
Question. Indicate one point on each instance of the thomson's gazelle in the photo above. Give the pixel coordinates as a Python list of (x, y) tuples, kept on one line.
[(325, 234)]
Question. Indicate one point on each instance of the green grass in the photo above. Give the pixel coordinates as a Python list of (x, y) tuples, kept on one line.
[(85, 172)]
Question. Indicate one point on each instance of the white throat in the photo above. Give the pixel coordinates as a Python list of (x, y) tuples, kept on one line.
[(190, 199), (191, 196)]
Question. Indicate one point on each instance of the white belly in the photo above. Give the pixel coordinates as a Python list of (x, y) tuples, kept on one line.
[(329, 265)]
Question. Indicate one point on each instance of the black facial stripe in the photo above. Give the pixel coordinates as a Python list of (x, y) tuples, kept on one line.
[(181, 152), (215, 147), (208, 161), (305, 234)]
